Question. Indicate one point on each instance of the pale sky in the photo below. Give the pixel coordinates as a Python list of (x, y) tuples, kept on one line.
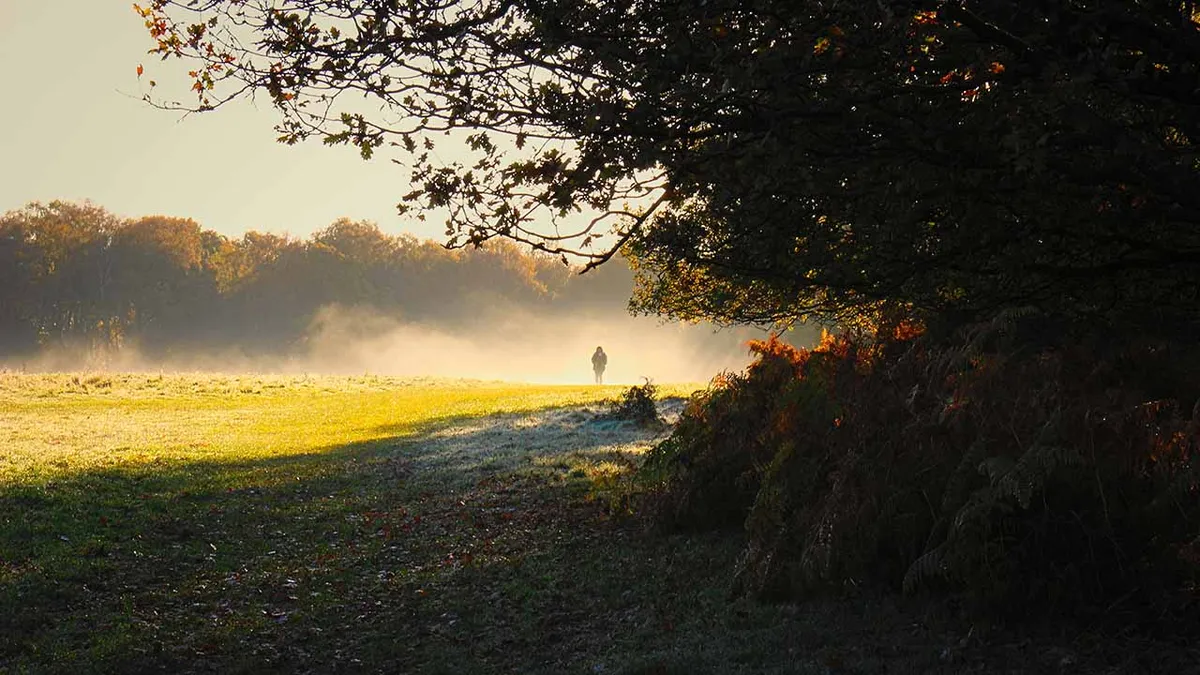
[(73, 127)]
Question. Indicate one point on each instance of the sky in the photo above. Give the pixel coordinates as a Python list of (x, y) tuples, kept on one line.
[(73, 127)]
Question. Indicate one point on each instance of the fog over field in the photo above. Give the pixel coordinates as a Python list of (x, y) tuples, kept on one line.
[(514, 345), (525, 347)]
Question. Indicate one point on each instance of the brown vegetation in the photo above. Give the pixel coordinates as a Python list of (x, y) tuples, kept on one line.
[(1061, 476)]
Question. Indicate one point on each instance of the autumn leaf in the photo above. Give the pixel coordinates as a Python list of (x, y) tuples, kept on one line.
[(926, 17), (139, 70)]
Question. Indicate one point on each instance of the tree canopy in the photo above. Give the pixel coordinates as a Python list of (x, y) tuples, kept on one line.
[(763, 160)]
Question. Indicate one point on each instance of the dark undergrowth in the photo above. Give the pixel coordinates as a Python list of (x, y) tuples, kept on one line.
[(1016, 477)]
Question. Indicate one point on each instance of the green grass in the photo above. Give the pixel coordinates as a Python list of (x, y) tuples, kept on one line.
[(55, 426), (134, 508), (271, 524)]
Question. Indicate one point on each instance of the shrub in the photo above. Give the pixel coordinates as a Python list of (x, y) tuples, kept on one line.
[(637, 405), (706, 473), (1010, 471)]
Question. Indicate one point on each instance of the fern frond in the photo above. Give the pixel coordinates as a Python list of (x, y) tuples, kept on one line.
[(931, 565), (1030, 473), (956, 486), (996, 467), (975, 512)]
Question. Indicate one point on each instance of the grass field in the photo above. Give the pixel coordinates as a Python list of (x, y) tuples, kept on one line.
[(151, 520), (261, 524)]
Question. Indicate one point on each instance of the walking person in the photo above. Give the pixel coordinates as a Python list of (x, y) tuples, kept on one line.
[(599, 363)]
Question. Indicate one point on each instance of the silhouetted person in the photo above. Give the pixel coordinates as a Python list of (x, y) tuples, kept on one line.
[(599, 363)]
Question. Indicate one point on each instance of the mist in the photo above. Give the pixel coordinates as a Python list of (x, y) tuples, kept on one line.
[(524, 347), (161, 293), (506, 343)]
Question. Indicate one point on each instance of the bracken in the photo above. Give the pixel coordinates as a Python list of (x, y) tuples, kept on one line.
[(1051, 475)]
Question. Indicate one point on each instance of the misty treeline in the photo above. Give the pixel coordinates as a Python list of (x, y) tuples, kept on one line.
[(75, 276)]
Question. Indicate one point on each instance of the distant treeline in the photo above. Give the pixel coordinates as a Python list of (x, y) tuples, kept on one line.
[(75, 275)]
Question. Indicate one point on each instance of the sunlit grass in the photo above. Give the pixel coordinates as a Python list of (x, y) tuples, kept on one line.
[(56, 424)]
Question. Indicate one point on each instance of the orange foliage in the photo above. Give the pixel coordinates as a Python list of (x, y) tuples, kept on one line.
[(926, 17), (774, 348), (907, 329)]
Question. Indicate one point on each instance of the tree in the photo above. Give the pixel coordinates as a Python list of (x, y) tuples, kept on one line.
[(61, 273), (18, 285), (81, 284), (159, 262), (767, 159), (362, 241)]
